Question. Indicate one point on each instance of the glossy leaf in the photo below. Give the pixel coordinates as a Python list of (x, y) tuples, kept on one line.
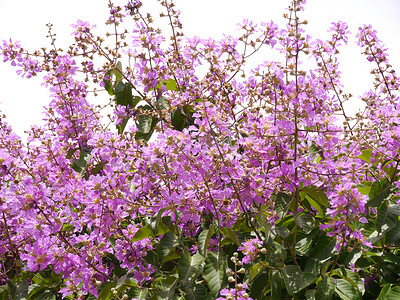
[(394, 293), (380, 190), (162, 103), (295, 280), (324, 248), (282, 203), (79, 165), (197, 292), (276, 285), (230, 234), (316, 194), (189, 268), (254, 270), (215, 272), (146, 136), (384, 291), (265, 225), (108, 83), (46, 296), (138, 293), (387, 216), (325, 288), (123, 94), (259, 286), (21, 292), (313, 266), (310, 295), (167, 242), (146, 232), (353, 278), (282, 231), (305, 222), (393, 236), (178, 120), (166, 288), (204, 239), (106, 293), (346, 291), (145, 120), (366, 155)]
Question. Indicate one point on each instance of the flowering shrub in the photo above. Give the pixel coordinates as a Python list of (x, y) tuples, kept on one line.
[(218, 182)]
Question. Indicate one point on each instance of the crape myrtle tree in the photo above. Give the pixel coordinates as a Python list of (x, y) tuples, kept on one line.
[(207, 180)]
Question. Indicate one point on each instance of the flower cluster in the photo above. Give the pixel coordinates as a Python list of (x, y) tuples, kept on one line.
[(204, 150)]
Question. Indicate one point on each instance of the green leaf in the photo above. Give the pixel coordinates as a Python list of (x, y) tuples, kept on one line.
[(393, 236), (295, 279), (106, 293), (123, 94), (230, 234), (259, 286), (167, 242), (380, 190), (282, 203), (364, 188), (215, 272), (387, 216), (79, 165), (162, 102), (178, 120), (189, 268), (384, 291), (310, 295), (305, 222), (276, 285), (325, 288), (204, 239), (12, 289), (146, 136), (21, 292), (366, 155), (241, 225), (71, 152), (97, 168), (316, 194), (4, 292), (324, 248), (254, 270), (353, 278), (170, 84), (121, 126), (146, 232), (313, 266), (198, 292), (346, 291), (142, 233), (118, 75), (304, 245), (46, 296), (108, 83), (138, 293), (166, 288), (265, 225), (155, 221), (145, 120), (394, 293), (279, 253), (282, 231)]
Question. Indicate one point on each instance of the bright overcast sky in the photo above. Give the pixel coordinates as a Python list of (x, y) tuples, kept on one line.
[(24, 20)]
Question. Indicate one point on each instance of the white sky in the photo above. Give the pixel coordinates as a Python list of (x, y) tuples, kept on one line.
[(22, 100)]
